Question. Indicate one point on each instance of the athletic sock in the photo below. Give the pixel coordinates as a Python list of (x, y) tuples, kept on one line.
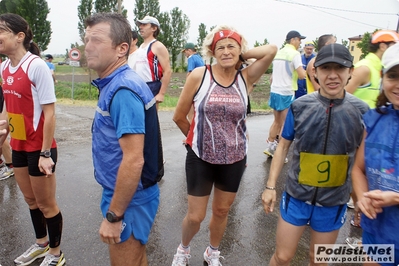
[(39, 223), (211, 249), (54, 225), (185, 248), (43, 245)]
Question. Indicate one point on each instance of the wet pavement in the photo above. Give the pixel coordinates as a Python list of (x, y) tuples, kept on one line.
[(250, 235)]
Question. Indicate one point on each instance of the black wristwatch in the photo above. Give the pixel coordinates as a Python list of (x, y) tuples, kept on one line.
[(45, 153), (112, 217)]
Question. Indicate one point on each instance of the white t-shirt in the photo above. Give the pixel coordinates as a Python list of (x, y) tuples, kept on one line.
[(132, 59), (282, 75)]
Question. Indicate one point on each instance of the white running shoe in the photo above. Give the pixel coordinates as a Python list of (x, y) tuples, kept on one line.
[(181, 258), (350, 204), (6, 172), (354, 242), (51, 260), (213, 259), (34, 252), (271, 148)]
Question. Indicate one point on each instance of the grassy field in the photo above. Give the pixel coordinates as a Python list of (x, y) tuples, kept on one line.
[(67, 70)]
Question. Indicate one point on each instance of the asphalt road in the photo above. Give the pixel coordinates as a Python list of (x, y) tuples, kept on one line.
[(250, 235)]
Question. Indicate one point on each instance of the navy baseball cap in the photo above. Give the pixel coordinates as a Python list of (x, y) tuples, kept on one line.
[(294, 34)]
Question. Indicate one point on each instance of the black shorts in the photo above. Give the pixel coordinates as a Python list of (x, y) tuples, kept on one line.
[(202, 175), (31, 160)]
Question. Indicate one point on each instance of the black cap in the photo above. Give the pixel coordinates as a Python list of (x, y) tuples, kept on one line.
[(294, 34), (48, 56), (334, 53)]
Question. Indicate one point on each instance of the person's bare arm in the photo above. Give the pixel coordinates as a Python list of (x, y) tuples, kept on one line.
[(4, 129), (186, 99), (360, 184), (264, 56), (360, 77), (269, 195), (127, 180), (129, 171), (301, 72), (380, 199), (46, 164), (55, 81), (163, 56)]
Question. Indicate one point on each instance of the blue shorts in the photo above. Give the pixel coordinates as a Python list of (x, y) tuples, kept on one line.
[(280, 102), (369, 239), (321, 218), (139, 215)]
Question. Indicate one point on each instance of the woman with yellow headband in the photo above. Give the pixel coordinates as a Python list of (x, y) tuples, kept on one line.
[(216, 136)]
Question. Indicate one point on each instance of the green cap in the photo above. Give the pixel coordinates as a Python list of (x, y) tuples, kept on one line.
[(189, 45)]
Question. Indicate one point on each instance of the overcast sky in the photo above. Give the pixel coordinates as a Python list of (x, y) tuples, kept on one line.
[(255, 19)]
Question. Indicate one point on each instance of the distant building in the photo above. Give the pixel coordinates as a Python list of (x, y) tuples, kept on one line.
[(354, 50)]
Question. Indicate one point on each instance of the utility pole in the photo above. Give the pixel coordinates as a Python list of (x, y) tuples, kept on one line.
[(120, 6), (397, 26)]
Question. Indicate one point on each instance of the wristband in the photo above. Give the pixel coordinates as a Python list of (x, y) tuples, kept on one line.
[(270, 188)]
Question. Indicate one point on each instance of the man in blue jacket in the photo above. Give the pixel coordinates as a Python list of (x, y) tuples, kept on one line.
[(125, 141)]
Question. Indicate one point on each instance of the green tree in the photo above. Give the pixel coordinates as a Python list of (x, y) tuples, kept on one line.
[(316, 43), (146, 7), (181, 24), (85, 9), (345, 43), (151, 8), (165, 36), (66, 55), (108, 6), (265, 41), (211, 59), (202, 32), (363, 45), (35, 12), (8, 6)]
